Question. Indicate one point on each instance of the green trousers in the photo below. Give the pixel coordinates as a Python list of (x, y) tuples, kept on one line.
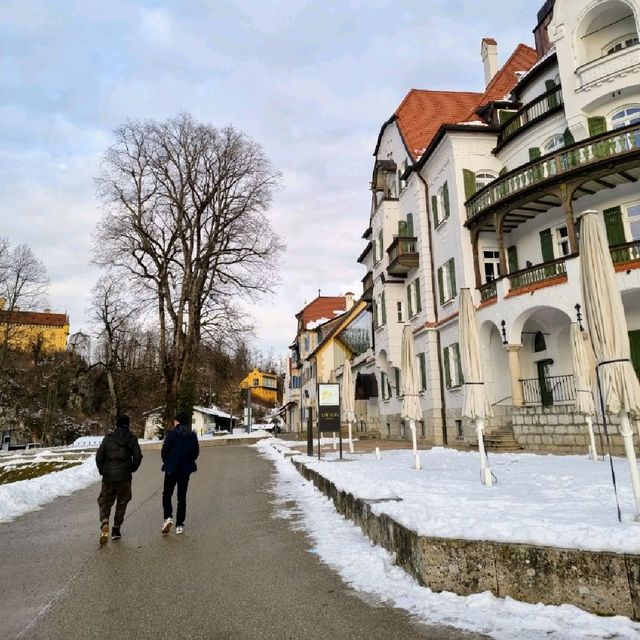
[(110, 492)]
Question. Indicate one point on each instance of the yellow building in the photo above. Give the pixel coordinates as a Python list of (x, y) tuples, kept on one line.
[(263, 385), (34, 330)]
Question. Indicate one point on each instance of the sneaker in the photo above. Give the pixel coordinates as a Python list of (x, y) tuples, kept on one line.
[(180, 529), (104, 532), (115, 533), (166, 527)]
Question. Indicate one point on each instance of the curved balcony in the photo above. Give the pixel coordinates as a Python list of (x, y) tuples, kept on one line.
[(608, 67), (614, 153), (536, 274), (403, 255)]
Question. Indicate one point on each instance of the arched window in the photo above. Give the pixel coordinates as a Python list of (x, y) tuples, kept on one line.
[(553, 143), (626, 41), (625, 117), (483, 178)]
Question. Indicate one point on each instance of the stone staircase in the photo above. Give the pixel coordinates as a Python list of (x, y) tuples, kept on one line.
[(501, 440)]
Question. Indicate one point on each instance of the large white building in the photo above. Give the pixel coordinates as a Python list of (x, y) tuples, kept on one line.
[(485, 190)]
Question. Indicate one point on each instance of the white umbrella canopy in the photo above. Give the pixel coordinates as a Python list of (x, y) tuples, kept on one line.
[(411, 409), (476, 405), (584, 366), (348, 399), (608, 330)]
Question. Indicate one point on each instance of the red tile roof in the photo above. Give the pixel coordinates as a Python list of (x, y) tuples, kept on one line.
[(422, 113), (34, 318), (322, 307)]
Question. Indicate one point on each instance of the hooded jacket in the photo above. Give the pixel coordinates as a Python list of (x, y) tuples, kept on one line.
[(119, 455), (180, 450)]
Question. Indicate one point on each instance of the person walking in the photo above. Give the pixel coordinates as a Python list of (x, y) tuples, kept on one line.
[(179, 452), (118, 457)]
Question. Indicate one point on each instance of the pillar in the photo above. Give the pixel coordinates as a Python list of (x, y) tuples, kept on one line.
[(513, 351)]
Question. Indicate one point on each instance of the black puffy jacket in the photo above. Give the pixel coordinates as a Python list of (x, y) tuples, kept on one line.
[(180, 450), (118, 456)]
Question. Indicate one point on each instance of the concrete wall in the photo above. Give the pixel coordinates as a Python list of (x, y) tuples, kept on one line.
[(598, 582)]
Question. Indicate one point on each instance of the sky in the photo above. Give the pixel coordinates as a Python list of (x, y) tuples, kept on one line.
[(311, 81)]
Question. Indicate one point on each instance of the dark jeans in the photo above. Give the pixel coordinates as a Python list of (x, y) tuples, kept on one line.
[(170, 482), (108, 494)]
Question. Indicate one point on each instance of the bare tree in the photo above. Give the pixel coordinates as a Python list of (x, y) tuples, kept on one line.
[(185, 218)]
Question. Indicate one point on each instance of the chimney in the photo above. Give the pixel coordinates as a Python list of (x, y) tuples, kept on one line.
[(348, 300), (489, 53)]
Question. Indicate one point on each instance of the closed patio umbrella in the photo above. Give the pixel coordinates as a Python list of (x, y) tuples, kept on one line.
[(608, 330), (476, 405), (411, 409), (584, 363), (348, 399)]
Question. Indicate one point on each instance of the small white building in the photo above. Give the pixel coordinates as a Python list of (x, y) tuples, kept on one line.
[(208, 419)]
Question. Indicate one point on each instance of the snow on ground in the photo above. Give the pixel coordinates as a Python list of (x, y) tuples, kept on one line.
[(371, 569), (17, 498)]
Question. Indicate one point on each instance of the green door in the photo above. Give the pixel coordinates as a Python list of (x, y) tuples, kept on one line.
[(546, 394)]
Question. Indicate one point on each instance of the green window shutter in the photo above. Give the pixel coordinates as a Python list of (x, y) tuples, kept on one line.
[(381, 245), (512, 257), (402, 229), (441, 285), (546, 245), (534, 153), (384, 309), (434, 210), (416, 284), (447, 368), (550, 84), (375, 315), (456, 347), (423, 371), (615, 228), (502, 171), (469, 178), (552, 100), (504, 115), (445, 200), (410, 224), (397, 372), (409, 302), (634, 344), (568, 137), (597, 125), (452, 277)]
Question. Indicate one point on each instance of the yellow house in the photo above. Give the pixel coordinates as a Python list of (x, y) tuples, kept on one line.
[(29, 330), (263, 385)]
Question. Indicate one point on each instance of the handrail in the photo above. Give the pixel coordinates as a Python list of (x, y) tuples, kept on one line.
[(556, 389), (538, 273), (607, 145), (488, 290), (402, 245), (625, 252)]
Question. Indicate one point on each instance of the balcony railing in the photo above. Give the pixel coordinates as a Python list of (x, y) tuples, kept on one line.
[(534, 110), (488, 290), (538, 273), (403, 254), (549, 390), (608, 67), (612, 144), (625, 252), (367, 286)]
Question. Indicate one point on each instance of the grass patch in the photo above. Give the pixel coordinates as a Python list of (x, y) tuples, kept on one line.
[(13, 472)]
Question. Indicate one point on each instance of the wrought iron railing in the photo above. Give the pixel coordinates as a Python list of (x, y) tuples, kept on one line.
[(538, 273), (625, 252), (549, 390), (612, 144), (402, 245), (488, 290), (534, 110)]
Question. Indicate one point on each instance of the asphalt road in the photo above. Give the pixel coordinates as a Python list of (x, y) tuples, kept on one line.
[(237, 572)]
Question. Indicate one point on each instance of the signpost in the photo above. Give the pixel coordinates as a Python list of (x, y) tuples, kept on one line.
[(329, 411)]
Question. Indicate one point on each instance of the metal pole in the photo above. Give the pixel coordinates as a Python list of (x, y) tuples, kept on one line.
[(309, 437)]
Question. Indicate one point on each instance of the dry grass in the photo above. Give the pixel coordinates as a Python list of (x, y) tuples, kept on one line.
[(13, 471)]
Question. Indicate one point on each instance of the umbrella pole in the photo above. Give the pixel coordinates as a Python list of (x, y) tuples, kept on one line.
[(412, 426), (350, 438), (627, 435), (485, 470), (593, 452)]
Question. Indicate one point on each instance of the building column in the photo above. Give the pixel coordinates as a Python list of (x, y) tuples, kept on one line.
[(513, 351), (566, 195)]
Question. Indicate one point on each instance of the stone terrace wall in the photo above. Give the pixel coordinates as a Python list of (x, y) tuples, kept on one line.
[(599, 582)]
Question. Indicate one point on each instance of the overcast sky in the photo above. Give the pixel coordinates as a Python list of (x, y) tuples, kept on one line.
[(311, 81)]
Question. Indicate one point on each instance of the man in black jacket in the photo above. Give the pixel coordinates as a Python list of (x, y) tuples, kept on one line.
[(117, 458), (179, 453)]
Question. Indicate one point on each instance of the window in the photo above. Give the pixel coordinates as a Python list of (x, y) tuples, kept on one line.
[(633, 216), (483, 179), (385, 386), (562, 242), (380, 245), (625, 117), (256, 382), (491, 261), (625, 42), (397, 377), (452, 366), (414, 301), (553, 144), (383, 309), (399, 308), (422, 370), (440, 205), (459, 429), (447, 281)]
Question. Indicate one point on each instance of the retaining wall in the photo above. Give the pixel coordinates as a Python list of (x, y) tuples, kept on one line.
[(600, 582)]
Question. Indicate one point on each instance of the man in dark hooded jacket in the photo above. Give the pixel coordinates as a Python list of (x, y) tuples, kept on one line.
[(117, 458), (179, 452)]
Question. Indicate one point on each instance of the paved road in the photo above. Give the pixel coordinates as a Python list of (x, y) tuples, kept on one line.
[(237, 572)]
